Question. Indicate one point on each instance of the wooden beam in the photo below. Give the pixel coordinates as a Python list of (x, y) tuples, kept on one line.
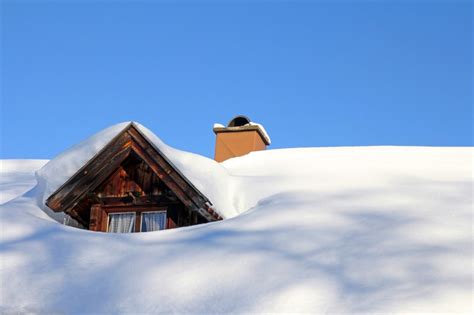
[(141, 200), (167, 167), (95, 218), (185, 194), (167, 172), (161, 173), (91, 175), (73, 214)]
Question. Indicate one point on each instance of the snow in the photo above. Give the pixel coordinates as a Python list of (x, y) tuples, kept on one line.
[(57, 171), (17, 177), (262, 129), (216, 125), (314, 230)]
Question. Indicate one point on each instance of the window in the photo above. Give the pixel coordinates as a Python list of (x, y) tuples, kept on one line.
[(121, 222), (130, 220), (153, 221)]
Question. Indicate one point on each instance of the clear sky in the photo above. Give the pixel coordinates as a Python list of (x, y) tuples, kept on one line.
[(314, 73)]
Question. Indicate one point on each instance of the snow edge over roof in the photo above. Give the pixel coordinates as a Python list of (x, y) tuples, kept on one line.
[(208, 176)]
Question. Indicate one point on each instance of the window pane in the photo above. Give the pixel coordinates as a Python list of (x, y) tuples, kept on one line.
[(153, 221), (121, 222)]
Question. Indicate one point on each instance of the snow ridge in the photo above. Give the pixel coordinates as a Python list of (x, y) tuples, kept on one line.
[(320, 230)]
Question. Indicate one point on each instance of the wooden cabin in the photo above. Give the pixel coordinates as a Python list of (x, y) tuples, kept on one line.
[(131, 186)]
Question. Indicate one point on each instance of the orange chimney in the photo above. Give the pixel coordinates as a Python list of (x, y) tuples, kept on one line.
[(241, 136)]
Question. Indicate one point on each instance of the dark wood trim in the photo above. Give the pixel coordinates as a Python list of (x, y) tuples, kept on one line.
[(112, 209), (95, 218), (91, 175), (168, 168), (104, 212), (166, 171)]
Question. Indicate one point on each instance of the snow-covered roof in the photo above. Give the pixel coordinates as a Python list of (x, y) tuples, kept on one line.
[(321, 231), (205, 174)]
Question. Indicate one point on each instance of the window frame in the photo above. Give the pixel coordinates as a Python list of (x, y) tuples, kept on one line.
[(165, 211), (106, 210), (112, 213)]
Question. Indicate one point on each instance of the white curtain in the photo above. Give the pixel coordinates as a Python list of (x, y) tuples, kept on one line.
[(121, 222), (153, 221)]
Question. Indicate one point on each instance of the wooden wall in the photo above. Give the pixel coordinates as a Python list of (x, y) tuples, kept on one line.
[(133, 187)]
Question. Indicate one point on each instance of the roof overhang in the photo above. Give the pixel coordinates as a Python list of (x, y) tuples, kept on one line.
[(99, 167)]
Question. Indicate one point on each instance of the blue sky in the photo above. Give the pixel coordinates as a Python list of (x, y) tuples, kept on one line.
[(315, 73)]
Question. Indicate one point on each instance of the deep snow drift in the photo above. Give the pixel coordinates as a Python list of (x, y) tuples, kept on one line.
[(321, 230), (17, 177)]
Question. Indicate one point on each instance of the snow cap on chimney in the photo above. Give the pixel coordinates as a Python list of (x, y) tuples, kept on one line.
[(240, 137)]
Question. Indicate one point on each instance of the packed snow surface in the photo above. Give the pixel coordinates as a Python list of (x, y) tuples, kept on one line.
[(316, 230), (17, 177)]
